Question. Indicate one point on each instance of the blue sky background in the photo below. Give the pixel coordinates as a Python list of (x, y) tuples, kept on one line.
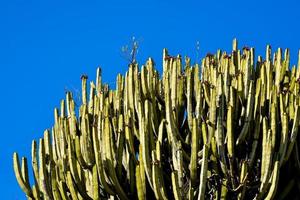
[(46, 45)]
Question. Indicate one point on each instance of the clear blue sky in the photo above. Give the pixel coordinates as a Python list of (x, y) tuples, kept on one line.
[(46, 45)]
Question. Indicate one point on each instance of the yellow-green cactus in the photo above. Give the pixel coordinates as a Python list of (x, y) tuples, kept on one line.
[(223, 129)]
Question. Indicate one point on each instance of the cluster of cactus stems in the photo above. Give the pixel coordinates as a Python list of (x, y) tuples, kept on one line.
[(225, 129)]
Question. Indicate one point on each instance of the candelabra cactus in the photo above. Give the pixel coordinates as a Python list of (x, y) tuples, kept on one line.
[(229, 133)]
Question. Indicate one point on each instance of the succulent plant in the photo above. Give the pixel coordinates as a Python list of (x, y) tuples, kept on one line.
[(225, 129)]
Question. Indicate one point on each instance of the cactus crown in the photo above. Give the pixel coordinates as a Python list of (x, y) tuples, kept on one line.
[(224, 129)]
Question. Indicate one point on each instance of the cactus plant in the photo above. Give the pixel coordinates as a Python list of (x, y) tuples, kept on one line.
[(224, 129)]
